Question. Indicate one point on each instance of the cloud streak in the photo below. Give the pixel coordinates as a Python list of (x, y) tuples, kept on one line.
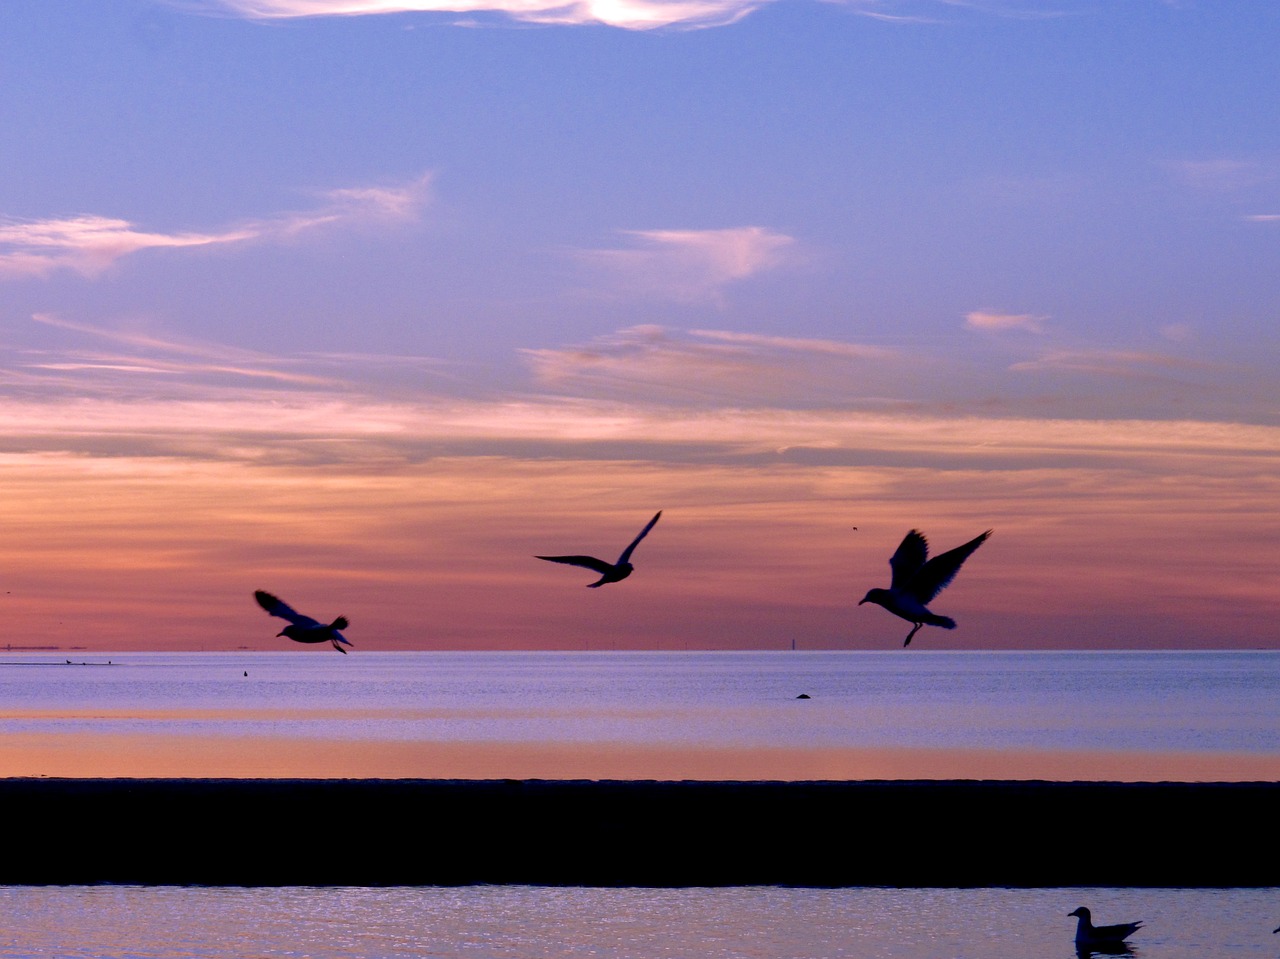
[(688, 265), (624, 14), (720, 365), (984, 321), (1123, 363), (90, 244)]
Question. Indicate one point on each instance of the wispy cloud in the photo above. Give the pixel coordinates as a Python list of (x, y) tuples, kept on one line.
[(667, 366), (984, 321), (625, 14), (854, 351), (1123, 363), (1219, 174), (688, 265), (1264, 218), (89, 244), (628, 14), (147, 354)]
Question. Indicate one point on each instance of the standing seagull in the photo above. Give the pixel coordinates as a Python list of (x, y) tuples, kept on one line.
[(609, 572), (303, 629), (1087, 934), (916, 581)]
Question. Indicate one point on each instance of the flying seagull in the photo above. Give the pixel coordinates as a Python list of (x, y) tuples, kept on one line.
[(609, 572), (916, 581), (303, 629), (1087, 934)]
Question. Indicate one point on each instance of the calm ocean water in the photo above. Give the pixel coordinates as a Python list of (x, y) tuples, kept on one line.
[(913, 714), (309, 712), (523, 922)]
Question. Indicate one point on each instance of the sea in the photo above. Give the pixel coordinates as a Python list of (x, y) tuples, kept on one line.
[(914, 714)]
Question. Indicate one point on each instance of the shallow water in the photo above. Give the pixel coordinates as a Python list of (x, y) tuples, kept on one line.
[(916, 714), (525, 922)]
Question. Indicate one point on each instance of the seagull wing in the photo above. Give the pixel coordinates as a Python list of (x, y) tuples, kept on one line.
[(908, 558), (277, 607), (626, 553), (934, 576), (590, 562)]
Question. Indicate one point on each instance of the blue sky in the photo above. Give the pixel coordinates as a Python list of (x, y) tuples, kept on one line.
[(989, 261)]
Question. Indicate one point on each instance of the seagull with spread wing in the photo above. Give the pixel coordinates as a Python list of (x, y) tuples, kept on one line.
[(303, 629), (609, 572), (918, 579)]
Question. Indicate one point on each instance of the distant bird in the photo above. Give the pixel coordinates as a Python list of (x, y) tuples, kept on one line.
[(609, 572), (303, 629), (916, 582), (1087, 934)]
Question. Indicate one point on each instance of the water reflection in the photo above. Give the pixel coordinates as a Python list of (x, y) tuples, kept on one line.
[(523, 922)]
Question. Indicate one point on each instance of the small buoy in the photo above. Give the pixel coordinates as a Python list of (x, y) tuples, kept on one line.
[(804, 696), (246, 672)]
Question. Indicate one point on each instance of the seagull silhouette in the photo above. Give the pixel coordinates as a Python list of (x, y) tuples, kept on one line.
[(917, 580), (303, 629), (609, 572), (1087, 934)]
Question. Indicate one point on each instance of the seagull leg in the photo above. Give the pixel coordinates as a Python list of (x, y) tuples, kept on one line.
[(907, 642)]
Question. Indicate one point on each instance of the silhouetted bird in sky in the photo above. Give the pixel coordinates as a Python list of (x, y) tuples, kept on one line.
[(303, 629), (917, 580), (609, 572), (1087, 934)]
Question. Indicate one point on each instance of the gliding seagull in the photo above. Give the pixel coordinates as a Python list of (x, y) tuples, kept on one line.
[(303, 629), (916, 582), (609, 572)]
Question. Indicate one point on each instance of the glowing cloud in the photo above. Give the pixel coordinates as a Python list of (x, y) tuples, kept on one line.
[(625, 14), (986, 322), (87, 244), (90, 244), (689, 265)]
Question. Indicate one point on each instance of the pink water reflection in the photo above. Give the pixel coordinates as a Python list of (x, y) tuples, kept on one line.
[(144, 756)]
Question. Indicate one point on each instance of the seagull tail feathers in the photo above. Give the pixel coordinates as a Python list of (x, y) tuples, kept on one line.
[(342, 623), (946, 622)]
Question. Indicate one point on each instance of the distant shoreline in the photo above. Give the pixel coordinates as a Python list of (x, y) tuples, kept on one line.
[(953, 833)]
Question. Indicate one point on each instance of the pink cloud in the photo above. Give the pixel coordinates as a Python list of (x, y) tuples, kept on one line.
[(89, 244), (985, 321), (689, 265)]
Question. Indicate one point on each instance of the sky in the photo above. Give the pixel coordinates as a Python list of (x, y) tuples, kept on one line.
[(369, 302)]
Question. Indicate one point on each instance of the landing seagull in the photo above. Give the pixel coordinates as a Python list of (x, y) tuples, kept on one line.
[(916, 582), (609, 572), (1087, 934), (303, 629)]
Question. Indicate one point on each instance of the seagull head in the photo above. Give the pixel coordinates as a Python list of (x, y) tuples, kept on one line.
[(876, 596)]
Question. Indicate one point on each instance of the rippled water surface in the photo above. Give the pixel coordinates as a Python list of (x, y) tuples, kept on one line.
[(524, 922), (912, 714)]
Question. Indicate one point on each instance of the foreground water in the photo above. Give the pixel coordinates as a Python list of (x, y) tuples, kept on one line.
[(913, 714), (524, 922), (657, 715)]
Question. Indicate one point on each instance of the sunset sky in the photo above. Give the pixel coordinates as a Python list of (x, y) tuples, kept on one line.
[(367, 302)]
